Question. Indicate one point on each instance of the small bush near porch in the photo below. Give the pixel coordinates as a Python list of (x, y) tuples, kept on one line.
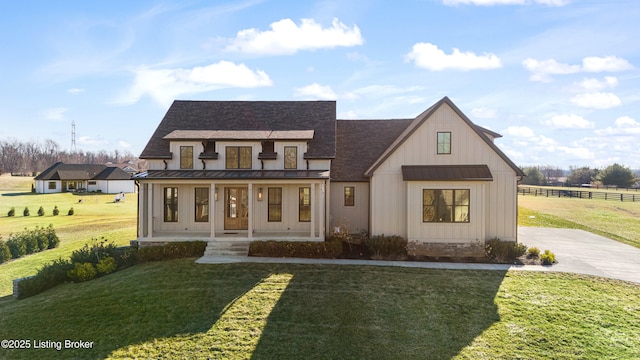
[(298, 249)]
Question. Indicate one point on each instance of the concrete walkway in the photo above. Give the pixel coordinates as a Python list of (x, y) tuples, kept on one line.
[(577, 251)]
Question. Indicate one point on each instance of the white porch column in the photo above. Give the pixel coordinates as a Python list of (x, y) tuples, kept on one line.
[(150, 192), (321, 205), (212, 210), (313, 210), (141, 215), (250, 225)]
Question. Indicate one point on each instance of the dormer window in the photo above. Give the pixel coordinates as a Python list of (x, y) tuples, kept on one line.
[(444, 142), (290, 157), (186, 157), (268, 152)]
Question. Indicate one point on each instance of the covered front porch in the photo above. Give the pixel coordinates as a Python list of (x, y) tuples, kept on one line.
[(285, 206)]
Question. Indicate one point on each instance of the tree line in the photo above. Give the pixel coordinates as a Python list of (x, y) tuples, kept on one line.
[(613, 175), (32, 157)]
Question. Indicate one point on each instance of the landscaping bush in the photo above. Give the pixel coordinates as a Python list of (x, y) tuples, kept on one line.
[(17, 247), (12, 212), (99, 249), (82, 272), (106, 265), (504, 251), (48, 276), (56, 211), (52, 238), (300, 249), (5, 254), (533, 252), (25, 212), (41, 211), (71, 212), (174, 250), (387, 247), (548, 257), (30, 239)]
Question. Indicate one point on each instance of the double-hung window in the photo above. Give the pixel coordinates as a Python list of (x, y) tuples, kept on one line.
[(304, 204), (186, 157), (275, 204), (171, 204), (444, 143)]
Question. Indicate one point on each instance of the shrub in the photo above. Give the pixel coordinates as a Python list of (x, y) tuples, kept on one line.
[(41, 211), (25, 212), (99, 249), (48, 276), (12, 212), (174, 250), (387, 247), (71, 212), (106, 265), (17, 247), (82, 272), (533, 252), (5, 254), (300, 249), (548, 257), (52, 238), (56, 211), (30, 239), (504, 251)]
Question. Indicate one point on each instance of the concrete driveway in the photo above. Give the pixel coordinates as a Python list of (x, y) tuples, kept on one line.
[(582, 252)]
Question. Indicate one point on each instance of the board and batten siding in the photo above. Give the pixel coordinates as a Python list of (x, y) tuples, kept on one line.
[(356, 217), (389, 190)]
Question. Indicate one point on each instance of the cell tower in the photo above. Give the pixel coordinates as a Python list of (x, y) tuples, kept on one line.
[(73, 137)]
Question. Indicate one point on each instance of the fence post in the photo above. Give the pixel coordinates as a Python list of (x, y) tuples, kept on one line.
[(621, 197)]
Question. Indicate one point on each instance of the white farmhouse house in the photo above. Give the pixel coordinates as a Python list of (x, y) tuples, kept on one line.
[(227, 170), (61, 177)]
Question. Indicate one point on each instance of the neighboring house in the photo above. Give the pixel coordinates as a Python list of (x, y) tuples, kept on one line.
[(61, 177), (289, 169), (128, 166)]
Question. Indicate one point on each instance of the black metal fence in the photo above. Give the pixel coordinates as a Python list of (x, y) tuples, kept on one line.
[(581, 194)]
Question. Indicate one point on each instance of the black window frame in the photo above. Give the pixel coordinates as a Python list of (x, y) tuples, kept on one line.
[(441, 207), (170, 204), (238, 160), (202, 200), (350, 199), (274, 202), (304, 204)]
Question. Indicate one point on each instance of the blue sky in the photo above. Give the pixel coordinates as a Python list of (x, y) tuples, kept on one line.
[(559, 79)]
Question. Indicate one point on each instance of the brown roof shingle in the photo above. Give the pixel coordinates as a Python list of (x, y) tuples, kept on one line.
[(319, 116), (359, 143)]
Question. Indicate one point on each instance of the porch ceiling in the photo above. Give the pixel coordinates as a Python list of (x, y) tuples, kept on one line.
[(233, 174)]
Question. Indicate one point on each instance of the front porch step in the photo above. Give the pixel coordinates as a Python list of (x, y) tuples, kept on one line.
[(227, 248)]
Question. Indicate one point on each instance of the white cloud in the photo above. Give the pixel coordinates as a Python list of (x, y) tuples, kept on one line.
[(75, 91), (624, 126), (505, 2), (165, 85), (429, 56), (607, 63), (316, 91), (55, 114), (348, 115), (597, 100), (91, 142), (571, 121), (592, 84), (285, 37), (483, 113), (124, 144), (581, 153), (519, 131), (543, 69)]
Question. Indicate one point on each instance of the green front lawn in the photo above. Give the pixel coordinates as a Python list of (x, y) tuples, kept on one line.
[(179, 309)]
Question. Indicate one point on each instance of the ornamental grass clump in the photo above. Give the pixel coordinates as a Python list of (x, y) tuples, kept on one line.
[(548, 258), (504, 251)]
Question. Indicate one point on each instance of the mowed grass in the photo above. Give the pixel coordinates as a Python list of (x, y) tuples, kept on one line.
[(95, 216), (616, 220), (179, 309)]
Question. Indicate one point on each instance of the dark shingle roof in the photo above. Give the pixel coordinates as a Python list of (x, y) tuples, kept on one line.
[(62, 171), (446, 173), (359, 143), (319, 116)]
